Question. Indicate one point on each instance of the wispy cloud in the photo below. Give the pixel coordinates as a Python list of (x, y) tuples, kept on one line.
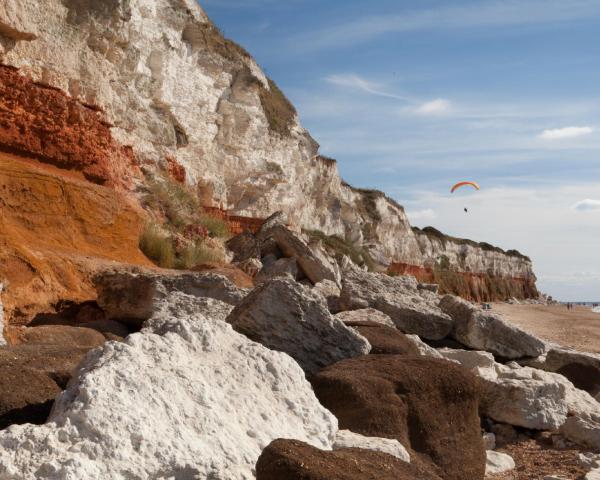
[(566, 132), (438, 106), (586, 205), (499, 13), (357, 82)]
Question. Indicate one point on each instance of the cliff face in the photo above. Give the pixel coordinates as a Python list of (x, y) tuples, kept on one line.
[(476, 271), (190, 101)]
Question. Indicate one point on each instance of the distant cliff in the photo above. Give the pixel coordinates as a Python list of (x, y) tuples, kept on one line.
[(188, 100)]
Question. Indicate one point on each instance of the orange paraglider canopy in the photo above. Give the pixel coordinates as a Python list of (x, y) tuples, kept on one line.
[(463, 184)]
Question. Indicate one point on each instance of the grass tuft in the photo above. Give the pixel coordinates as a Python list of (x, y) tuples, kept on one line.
[(157, 245)]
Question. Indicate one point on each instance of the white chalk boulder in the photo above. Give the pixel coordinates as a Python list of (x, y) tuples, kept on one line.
[(497, 462), (485, 331), (187, 397)]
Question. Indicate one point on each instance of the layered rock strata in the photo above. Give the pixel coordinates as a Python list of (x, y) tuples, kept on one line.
[(198, 105)]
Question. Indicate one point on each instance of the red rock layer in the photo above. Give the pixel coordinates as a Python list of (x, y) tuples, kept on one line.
[(44, 123), (176, 170), (237, 224), (477, 287), (55, 230)]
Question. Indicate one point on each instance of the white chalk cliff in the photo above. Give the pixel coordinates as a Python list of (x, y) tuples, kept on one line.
[(174, 88)]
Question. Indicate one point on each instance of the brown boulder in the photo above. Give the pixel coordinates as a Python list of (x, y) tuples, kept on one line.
[(26, 396), (295, 460), (428, 405), (244, 247), (384, 339), (63, 335)]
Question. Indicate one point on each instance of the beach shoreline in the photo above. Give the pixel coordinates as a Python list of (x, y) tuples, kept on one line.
[(578, 328)]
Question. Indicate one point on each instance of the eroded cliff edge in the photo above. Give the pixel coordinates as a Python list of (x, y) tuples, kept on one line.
[(178, 93)]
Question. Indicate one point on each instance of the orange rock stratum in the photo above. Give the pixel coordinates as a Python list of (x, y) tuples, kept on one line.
[(55, 230)]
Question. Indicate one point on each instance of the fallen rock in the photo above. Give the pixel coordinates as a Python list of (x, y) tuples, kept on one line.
[(524, 396), (331, 292), (583, 429), (313, 263), (497, 462), (283, 267), (294, 460), (251, 266), (489, 440), (581, 368), (485, 331), (593, 475), (185, 398), (244, 247), (57, 362), (26, 396), (430, 406), (146, 290), (348, 439), (365, 315), (432, 287), (286, 316), (423, 349), (64, 335), (235, 275), (384, 339), (589, 460), (397, 297)]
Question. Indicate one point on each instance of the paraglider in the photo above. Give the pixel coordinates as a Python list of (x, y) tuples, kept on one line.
[(464, 184)]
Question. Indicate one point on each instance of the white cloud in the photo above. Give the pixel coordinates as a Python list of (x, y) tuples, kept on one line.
[(438, 106), (566, 132), (586, 205), (426, 214), (349, 80)]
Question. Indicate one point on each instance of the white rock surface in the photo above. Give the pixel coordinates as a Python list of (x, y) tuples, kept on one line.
[(485, 331), (498, 462), (589, 460), (2, 339), (365, 315), (286, 316), (283, 267), (528, 397), (398, 298), (584, 428), (187, 398), (593, 475), (348, 439), (489, 440), (424, 349)]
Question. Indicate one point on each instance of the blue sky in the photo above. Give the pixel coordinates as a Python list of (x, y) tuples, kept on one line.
[(410, 97)]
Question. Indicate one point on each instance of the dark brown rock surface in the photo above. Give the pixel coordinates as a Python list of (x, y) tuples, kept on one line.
[(295, 460), (429, 405)]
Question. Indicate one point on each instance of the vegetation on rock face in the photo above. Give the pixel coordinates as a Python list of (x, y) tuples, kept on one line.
[(338, 247), (183, 236), (443, 238), (278, 109)]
